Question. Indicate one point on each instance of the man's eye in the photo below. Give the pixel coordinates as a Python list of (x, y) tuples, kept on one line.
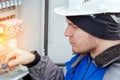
[(74, 26), (70, 24)]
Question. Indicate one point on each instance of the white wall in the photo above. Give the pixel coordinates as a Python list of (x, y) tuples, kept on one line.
[(32, 36), (59, 48)]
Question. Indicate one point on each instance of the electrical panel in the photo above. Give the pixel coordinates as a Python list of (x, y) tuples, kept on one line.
[(10, 25)]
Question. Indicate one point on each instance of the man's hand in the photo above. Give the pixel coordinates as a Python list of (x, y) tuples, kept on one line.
[(17, 57)]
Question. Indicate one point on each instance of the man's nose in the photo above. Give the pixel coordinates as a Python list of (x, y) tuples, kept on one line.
[(68, 32)]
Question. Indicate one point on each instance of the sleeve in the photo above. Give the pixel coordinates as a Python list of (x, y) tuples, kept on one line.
[(45, 69)]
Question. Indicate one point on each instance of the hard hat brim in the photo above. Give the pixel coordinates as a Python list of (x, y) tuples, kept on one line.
[(65, 12)]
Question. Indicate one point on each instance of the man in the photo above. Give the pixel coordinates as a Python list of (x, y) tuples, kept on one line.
[(95, 40)]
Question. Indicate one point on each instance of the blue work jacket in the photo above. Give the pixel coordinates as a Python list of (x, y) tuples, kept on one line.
[(85, 69)]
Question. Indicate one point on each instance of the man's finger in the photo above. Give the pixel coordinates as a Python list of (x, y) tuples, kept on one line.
[(14, 62), (10, 56)]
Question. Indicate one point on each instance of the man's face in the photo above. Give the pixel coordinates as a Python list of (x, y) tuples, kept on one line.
[(80, 41)]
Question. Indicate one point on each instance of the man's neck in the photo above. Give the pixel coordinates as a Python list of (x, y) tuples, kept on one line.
[(102, 46)]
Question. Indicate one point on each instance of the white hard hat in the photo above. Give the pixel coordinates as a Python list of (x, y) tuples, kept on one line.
[(88, 7)]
